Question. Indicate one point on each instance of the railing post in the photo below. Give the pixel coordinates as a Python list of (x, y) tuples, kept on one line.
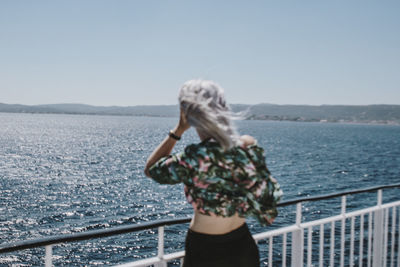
[(342, 231), (378, 234), (297, 240), (160, 254), (48, 261)]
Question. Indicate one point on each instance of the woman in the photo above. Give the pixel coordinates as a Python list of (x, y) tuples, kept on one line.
[(225, 178)]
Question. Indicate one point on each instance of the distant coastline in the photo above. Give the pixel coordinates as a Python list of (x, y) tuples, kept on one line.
[(370, 114)]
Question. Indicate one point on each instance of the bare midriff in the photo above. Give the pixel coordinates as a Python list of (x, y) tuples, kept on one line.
[(215, 225)]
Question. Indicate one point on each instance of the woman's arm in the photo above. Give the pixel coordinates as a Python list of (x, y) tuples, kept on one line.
[(166, 146)]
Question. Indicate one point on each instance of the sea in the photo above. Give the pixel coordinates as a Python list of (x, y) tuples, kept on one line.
[(63, 174)]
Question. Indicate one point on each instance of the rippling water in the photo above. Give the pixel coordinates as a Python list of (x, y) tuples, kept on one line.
[(71, 173)]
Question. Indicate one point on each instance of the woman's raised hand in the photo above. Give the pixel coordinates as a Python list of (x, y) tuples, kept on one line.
[(183, 124), (167, 144)]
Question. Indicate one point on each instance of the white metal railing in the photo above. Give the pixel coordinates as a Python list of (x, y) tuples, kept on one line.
[(379, 251), (372, 238), (378, 234)]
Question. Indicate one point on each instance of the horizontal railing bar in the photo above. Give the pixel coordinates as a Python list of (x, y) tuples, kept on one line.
[(349, 215), (321, 221), (322, 197), (141, 263), (171, 256), (90, 234), (153, 260), (275, 232), (371, 209), (27, 244)]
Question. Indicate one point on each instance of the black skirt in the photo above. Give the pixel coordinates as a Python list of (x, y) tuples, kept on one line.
[(234, 249)]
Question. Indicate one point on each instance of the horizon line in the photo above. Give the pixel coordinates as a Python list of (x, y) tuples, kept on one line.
[(144, 105)]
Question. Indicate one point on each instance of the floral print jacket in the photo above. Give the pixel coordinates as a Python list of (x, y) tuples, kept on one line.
[(221, 183)]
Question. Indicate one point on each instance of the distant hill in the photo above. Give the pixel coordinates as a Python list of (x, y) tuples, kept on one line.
[(382, 114), (386, 114), (159, 111)]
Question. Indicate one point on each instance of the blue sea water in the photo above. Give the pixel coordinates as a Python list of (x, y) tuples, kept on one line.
[(62, 174)]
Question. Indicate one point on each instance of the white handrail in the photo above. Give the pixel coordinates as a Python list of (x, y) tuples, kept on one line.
[(378, 228), (379, 235)]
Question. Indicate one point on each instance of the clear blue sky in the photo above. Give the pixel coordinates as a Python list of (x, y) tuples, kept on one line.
[(140, 52)]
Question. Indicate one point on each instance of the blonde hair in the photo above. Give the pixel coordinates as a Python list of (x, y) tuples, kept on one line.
[(204, 105)]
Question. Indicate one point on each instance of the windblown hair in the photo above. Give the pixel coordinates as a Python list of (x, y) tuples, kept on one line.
[(204, 105)]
